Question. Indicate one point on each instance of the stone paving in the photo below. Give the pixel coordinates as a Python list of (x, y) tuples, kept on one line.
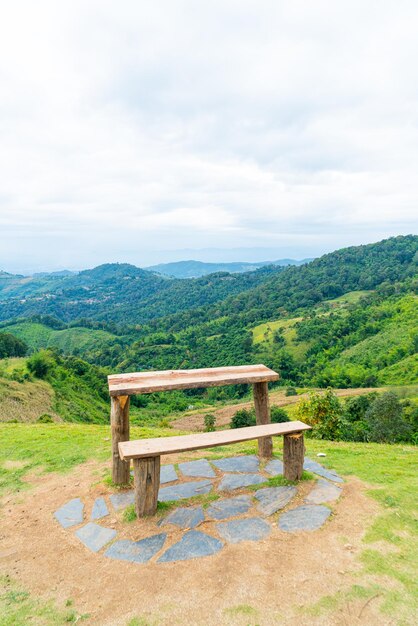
[(226, 518)]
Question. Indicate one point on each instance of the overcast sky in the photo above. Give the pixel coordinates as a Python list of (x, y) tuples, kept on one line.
[(149, 131)]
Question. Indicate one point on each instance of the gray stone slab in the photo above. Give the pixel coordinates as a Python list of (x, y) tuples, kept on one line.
[(316, 468), (136, 551), (324, 491), (199, 468), (249, 463), (184, 490), (167, 474), (71, 513), (229, 507), (122, 500), (235, 481), (184, 517), (192, 545), (306, 517), (95, 537), (271, 499), (274, 467), (99, 509), (251, 529)]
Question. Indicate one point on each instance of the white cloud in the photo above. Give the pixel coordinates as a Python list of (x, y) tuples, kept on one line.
[(181, 124)]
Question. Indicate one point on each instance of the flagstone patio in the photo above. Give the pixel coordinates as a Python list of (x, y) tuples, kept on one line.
[(257, 512)]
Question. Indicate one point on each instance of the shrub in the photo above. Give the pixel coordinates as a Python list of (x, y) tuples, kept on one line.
[(45, 418), (242, 418), (386, 421), (322, 411), (278, 415), (210, 421), (40, 363), (291, 391)]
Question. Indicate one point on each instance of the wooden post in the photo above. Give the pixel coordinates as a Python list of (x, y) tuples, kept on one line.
[(147, 484), (119, 420), (293, 456), (262, 415)]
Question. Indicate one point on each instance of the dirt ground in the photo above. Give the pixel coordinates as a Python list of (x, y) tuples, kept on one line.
[(275, 577), (195, 421)]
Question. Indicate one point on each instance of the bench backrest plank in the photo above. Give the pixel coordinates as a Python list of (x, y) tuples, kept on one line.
[(143, 448), (149, 382)]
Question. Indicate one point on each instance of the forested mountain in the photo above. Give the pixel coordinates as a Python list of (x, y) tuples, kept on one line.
[(195, 269), (119, 293), (346, 319)]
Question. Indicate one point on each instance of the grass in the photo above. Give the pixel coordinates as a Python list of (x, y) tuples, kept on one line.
[(54, 448), (17, 607), (264, 333), (390, 471)]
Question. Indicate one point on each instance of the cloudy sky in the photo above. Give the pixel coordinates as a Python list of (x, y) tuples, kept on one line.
[(154, 130)]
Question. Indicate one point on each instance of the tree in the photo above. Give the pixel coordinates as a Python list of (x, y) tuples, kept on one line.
[(11, 346), (386, 421), (322, 411)]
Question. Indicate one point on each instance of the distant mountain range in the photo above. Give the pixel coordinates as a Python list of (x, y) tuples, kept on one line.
[(195, 269)]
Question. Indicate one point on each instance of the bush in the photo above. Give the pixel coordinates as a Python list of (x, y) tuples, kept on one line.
[(386, 421), (242, 418), (45, 418), (322, 411), (210, 421), (291, 391), (278, 415), (40, 363)]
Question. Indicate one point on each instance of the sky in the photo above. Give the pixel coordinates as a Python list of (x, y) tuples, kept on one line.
[(161, 130)]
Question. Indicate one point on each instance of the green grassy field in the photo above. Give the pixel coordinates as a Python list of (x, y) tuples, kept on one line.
[(264, 333)]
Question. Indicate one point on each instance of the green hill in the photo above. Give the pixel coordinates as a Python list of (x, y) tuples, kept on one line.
[(74, 340)]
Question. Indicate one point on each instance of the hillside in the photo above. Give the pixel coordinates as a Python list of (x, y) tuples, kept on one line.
[(119, 293), (196, 269), (347, 319)]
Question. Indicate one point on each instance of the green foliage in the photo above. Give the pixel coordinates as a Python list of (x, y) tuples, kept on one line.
[(386, 421), (242, 418), (45, 418), (10, 346), (40, 364), (323, 411), (291, 391), (210, 421), (278, 415)]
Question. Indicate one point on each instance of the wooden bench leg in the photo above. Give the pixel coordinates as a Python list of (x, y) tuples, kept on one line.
[(119, 420), (147, 484), (262, 415), (293, 456)]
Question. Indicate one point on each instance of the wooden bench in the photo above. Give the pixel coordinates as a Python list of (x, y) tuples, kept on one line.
[(122, 386), (146, 454)]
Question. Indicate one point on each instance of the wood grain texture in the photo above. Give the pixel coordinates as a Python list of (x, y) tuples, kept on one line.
[(119, 420), (168, 445), (293, 456), (146, 485), (149, 382), (262, 416)]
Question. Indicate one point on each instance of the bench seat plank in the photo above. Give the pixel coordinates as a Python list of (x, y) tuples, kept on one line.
[(149, 382), (143, 448)]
